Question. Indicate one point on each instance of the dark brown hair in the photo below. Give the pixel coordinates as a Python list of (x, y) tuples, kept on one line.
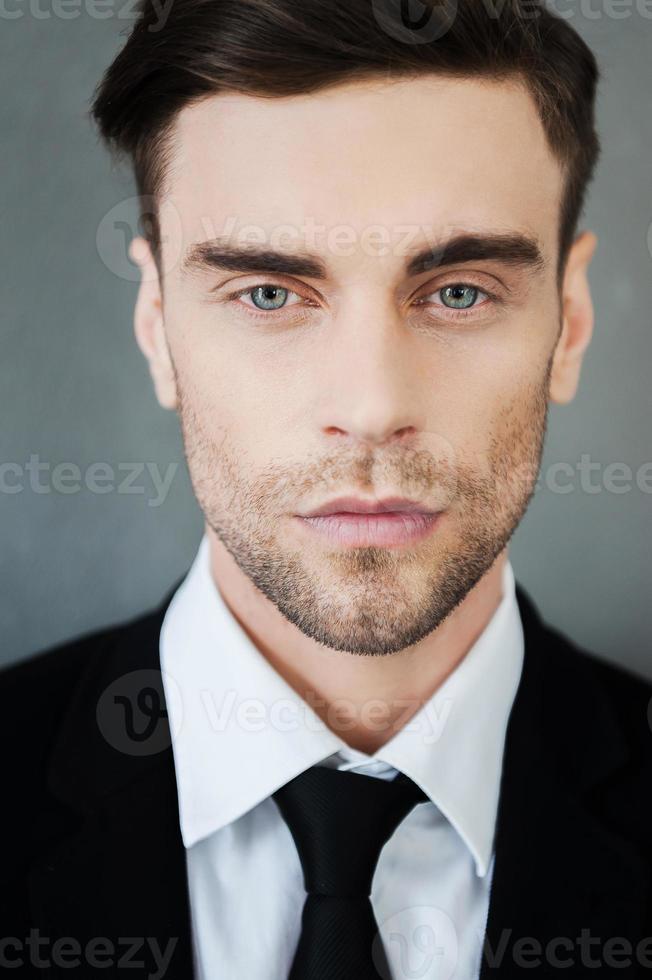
[(271, 48)]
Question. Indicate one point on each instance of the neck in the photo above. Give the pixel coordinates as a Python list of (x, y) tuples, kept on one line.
[(364, 699)]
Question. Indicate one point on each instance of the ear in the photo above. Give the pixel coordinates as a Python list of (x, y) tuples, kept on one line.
[(149, 325), (577, 320)]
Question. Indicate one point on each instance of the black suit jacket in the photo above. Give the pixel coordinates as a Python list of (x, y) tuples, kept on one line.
[(91, 847)]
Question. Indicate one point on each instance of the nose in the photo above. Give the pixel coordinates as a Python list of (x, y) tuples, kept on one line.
[(370, 381)]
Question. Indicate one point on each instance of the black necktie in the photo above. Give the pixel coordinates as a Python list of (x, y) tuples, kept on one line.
[(339, 821)]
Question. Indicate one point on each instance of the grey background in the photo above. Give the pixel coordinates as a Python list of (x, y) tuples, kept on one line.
[(75, 388)]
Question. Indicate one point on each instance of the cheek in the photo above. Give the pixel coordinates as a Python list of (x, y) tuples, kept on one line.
[(245, 413), (489, 403)]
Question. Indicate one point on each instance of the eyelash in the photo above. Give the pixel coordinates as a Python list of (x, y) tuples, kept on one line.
[(451, 313)]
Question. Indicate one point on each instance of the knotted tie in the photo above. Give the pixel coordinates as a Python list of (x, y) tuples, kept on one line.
[(339, 821)]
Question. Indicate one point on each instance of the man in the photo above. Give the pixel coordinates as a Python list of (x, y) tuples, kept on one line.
[(346, 744)]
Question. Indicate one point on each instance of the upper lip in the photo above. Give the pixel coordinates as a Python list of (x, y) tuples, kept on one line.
[(356, 505)]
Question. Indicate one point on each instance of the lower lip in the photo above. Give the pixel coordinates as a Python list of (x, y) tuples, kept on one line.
[(383, 530)]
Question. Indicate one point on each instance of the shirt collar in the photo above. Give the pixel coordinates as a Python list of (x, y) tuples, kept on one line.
[(240, 731)]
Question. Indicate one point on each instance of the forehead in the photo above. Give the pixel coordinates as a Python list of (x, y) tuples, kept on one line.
[(434, 153)]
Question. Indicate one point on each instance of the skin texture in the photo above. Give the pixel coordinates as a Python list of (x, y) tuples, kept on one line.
[(352, 387)]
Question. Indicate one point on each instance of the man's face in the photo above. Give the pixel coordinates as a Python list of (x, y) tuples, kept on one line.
[(372, 380)]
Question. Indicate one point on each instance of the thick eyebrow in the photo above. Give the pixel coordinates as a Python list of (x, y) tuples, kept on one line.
[(514, 249)]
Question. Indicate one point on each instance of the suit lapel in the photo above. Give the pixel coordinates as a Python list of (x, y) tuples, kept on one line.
[(122, 873), (558, 868)]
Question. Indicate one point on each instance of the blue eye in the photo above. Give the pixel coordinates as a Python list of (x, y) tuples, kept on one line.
[(459, 296), (269, 297)]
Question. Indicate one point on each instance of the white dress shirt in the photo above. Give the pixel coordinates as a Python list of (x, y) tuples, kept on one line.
[(239, 732)]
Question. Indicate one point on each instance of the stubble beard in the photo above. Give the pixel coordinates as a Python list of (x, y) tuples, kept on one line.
[(371, 601)]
